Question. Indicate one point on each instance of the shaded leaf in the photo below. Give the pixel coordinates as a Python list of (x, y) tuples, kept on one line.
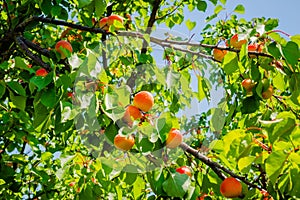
[(177, 185)]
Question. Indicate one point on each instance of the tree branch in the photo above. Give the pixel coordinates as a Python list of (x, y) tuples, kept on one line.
[(36, 59), (36, 47), (150, 24), (216, 167), (23, 25)]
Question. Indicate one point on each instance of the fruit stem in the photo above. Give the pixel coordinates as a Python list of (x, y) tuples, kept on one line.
[(279, 31)]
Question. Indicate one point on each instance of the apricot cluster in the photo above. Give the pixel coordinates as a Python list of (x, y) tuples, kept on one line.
[(143, 101), (236, 43), (267, 89)]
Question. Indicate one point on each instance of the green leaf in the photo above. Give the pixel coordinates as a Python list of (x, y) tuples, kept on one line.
[(172, 79), (83, 3), (273, 49), (177, 185), (87, 193), (46, 6), (271, 24), (284, 127), (296, 39), (218, 119), (100, 6), (279, 81), (274, 164), (240, 9), (2, 88), (49, 98), (245, 163), (2, 182), (123, 93), (201, 6), (218, 9), (201, 92), (19, 63), (164, 123), (291, 53), (18, 101), (56, 10), (46, 156), (214, 1), (230, 137), (230, 63), (190, 25), (223, 1), (250, 105), (41, 117), (138, 187), (156, 180), (41, 82), (130, 174), (17, 88)]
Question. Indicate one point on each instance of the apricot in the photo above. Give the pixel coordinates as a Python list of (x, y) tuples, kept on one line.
[(112, 18), (184, 170), (248, 84), (174, 138), (65, 45), (231, 188), (268, 93), (124, 143), (41, 72), (236, 43), (254, 48), (131, 113), (219, 54), (143, 100), (103, 24)]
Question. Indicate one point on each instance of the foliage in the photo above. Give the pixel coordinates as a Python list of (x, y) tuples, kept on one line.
[(57, 131)]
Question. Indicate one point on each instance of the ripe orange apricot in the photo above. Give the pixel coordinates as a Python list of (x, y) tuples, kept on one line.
[(248, 84), (124, 143), (231, 188), (143, 100), (41, 72), (65, 45), (254, 48), (103, 23), (219, 54), (131, 113), (174, 138), (267, 94), (236, 43), (112, 18), (184, 170)]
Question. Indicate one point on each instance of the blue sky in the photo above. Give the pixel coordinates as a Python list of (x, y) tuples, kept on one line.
[(284, 10)]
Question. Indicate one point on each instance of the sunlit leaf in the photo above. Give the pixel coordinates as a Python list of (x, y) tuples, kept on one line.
[(190, 25), (239, 9)]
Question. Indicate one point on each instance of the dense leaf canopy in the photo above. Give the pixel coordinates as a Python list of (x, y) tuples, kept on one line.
[(59, 116)]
